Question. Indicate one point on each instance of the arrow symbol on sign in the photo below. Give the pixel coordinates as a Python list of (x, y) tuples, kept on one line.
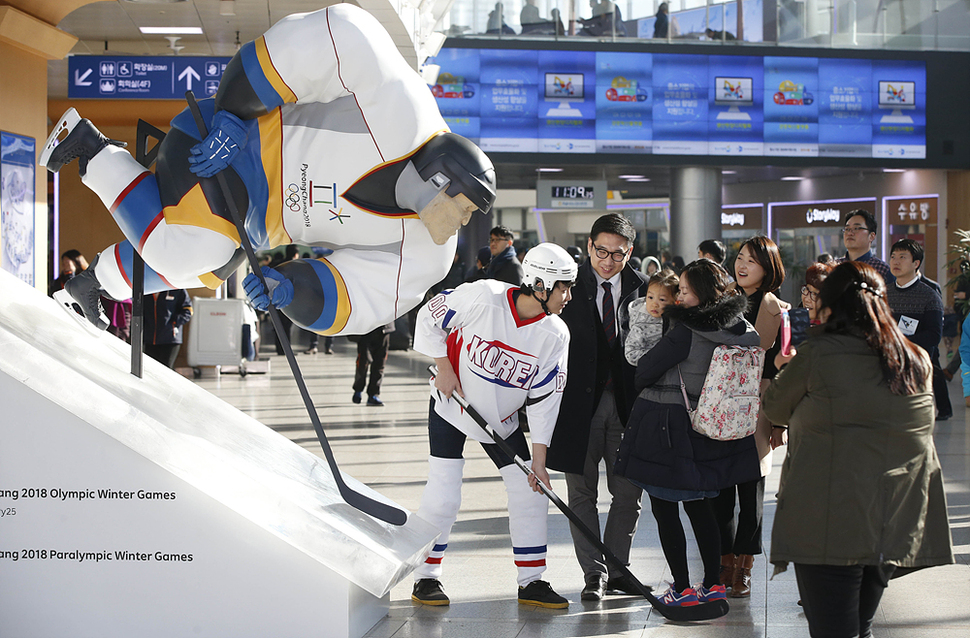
[(187, 75), (79, 80)]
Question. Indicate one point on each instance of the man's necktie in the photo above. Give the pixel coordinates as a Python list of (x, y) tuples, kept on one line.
[(609, 314)]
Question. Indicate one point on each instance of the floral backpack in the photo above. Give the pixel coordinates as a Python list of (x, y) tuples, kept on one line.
[(731, 396)]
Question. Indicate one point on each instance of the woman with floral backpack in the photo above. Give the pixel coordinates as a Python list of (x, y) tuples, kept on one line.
[(661, 451)]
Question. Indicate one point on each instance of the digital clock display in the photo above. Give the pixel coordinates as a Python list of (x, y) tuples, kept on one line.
[(572, 192)]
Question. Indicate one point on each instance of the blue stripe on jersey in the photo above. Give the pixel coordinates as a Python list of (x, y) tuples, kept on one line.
[(330, 296), (538, 549), (499, 382), (125, 254), (185, 122), (257, 79), (552, 375), (249, 166), (448, 317), (440, 548), (140, 207)]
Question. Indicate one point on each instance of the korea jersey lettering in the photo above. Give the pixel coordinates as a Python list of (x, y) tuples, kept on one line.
[(503, 362)]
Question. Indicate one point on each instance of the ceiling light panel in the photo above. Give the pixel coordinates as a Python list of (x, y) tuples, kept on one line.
[(171, 30)]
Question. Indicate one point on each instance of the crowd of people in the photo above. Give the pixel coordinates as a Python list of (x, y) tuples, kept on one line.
[(606, 20), (850, 405), (607, 356)]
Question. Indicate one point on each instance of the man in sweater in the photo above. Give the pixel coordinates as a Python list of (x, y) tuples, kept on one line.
[(918, 308)]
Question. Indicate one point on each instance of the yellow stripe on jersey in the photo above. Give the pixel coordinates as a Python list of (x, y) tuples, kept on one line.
[(193, 210), (210, 281), (342, 314), (271, 151), (270, 72)]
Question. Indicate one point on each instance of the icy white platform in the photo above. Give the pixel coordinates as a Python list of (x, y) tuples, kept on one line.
[(148, 507)]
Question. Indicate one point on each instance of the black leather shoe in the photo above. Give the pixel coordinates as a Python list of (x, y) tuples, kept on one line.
[(595, 588), (622, 585)]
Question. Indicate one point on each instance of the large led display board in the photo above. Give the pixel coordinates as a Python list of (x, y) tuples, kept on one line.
[(570, 101)]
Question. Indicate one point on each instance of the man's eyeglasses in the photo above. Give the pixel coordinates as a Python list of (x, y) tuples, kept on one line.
[(618, 256), (808, 293), (848, 230)]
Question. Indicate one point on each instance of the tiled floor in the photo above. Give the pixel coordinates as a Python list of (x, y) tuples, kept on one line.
[(387, 449)]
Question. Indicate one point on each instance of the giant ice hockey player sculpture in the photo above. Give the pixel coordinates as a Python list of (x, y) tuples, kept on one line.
[(327, 138)]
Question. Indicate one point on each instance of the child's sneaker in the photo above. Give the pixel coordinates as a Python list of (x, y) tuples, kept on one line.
[(428, 591), (540, 594), (705, 595), (686, 598)]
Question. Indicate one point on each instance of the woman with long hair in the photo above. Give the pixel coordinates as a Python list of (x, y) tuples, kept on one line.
[(662, 453), (759, 273), (861, 491), (72, 262)]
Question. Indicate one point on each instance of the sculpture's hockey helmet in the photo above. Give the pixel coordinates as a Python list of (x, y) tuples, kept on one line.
[(452, 159)]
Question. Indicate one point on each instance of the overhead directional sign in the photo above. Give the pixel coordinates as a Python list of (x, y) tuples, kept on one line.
[(143, 77)]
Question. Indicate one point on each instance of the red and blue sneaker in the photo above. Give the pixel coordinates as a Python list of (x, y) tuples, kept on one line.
[(686, 598), (705, 595)]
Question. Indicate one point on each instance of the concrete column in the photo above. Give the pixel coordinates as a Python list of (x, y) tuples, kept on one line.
[(695, 208)]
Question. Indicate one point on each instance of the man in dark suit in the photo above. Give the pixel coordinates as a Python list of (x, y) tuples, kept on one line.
[(597, 400), (504, 265)]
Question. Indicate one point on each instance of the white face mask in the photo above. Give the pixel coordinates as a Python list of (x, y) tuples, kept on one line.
[(444, 215)]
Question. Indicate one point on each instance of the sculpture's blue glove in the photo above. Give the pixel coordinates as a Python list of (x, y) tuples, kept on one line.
[(227, 136), (280, 292)]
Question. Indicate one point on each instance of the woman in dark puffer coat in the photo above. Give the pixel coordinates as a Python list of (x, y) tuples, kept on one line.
[(662, 453)]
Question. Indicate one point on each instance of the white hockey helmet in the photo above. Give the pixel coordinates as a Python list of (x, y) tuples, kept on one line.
[(546, 264)]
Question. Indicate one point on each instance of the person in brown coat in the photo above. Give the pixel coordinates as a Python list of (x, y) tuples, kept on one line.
[(861, 494)]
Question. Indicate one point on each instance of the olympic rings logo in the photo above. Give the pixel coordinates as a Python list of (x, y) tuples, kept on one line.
[(292, 194)]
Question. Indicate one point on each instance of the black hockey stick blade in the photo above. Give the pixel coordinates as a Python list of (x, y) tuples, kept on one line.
[(377, 509), (703, 611)]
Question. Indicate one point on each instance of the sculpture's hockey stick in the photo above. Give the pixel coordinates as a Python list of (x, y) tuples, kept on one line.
[(703, 611), (377, 509)]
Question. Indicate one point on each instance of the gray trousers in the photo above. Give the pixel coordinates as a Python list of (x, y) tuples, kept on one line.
[(605, 432)]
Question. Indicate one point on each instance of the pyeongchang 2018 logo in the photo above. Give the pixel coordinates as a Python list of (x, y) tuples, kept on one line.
[(501, 364), (301, 197)]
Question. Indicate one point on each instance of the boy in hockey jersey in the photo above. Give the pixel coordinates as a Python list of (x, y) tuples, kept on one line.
[(326, 137), (501, 347)]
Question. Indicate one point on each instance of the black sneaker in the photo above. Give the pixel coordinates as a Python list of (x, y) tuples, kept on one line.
[(85, 289), (428, 591), (83, 142), (540, 594)]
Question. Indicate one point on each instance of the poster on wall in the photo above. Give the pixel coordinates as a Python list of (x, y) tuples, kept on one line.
[(17, 159)]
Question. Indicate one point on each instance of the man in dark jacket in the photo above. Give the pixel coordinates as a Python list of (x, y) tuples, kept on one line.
[(598, 396), (165, 314), (504, 265)]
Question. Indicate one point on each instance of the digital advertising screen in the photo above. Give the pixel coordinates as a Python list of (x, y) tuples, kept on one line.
[(555, 101), (624, 102)]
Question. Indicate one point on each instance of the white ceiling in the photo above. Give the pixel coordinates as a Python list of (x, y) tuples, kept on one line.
[(114, 27)]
